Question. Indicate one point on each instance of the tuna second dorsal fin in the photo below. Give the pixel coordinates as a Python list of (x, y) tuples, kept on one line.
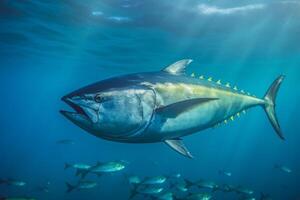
[(178, 146), (178, 68)]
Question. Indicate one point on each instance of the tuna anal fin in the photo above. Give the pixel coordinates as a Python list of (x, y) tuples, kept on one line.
[(175, 109), (178, 146), (178, 68)]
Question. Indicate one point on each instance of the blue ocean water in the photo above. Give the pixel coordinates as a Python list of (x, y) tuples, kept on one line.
[(50, 48)]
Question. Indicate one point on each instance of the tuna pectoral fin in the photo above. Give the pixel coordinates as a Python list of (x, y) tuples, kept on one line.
[(175, 109), (178, 146), (269, 105)]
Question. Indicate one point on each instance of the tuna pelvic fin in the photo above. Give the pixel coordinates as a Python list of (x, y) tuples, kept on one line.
[(175, 109), (178, 146), (269, 105), (178, 68)]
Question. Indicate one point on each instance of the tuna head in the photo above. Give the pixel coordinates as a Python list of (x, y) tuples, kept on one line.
[(117, 113)]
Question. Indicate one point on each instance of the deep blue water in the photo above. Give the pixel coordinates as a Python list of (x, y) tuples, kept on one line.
[(49, 48)]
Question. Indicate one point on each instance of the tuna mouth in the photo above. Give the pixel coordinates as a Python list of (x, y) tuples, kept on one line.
[(77, 109)]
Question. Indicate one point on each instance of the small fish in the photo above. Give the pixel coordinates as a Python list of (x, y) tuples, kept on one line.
[(243, 190), (13, 182), (181, 187), (79, 166), (17, 198), (65, 141), (225, 173), (107, 167), (197, 196), (148, 190), (134, 180), (226, 188), (202, 184), (154, 180), (248, 198), (165, 196), (283, 168), (177, 175), (44, 189), (81, 185), (101, 168)]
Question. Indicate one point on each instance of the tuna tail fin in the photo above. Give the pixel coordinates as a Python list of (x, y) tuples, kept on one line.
[(188, 183), (269, 105), (67, 165), (70, 187), (264, 196), (133, 191)]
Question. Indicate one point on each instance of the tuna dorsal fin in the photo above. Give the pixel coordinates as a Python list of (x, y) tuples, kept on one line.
[(178, 68), (178, 146), (175, 109)]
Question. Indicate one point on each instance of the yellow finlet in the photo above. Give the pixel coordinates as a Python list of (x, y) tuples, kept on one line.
[(216, 125), (219, 82), (242, 91), (201, 77), (209, 79), (244, 111), (225, 121), (238, 114), (235, 88), (232, 118), (248, 94), (227, 85), (193, 75)]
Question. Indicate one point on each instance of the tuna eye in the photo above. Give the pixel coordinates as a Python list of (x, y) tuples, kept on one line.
[(98, 98)]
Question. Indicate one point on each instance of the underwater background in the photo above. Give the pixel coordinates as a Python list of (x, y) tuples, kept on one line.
[(50, 48)]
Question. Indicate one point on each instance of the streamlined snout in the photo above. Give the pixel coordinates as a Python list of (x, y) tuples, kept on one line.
[(77, 116)]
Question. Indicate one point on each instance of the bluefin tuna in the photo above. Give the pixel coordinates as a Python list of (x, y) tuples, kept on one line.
[(162, 106)]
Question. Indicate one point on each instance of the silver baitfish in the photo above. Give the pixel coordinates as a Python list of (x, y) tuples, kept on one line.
[(81, 185)]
